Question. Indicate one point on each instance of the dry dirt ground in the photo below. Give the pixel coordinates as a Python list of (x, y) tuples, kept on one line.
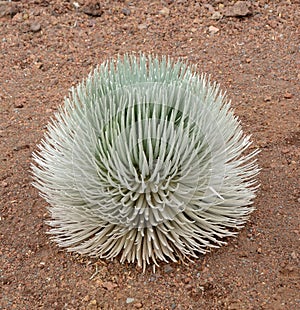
[(48, 46)]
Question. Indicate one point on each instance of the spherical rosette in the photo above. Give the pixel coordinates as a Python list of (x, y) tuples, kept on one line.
[(145, 161)]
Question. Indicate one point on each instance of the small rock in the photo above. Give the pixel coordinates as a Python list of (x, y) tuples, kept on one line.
[(4, 184), (19, 105), (288, 269), (267, 98), (21, 147), (39, 64), (8, 9), (243, 254), (18, 18), (92, 8), (187, 280), (35, 27), (92, 305), (164, 11), (125, 26), (168, 268), (209, 7), (138, 305), (126, 11), (213, 29), (288, 96), (109, 285), (129, 300), (239, 9), (216, 16), (294, 255), (42, 265), (86, 298), (76, 5), (142, 26)]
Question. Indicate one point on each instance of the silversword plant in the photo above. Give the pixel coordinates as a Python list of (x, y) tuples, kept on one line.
[(145, 161)]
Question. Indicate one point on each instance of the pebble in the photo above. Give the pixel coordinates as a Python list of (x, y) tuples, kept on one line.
[(239, 9), (267, 98), (152, 279), (129, 300), (213, 29), (39, 64), (109, 285), (294, 255), (86, 298), (8, 9), (92, 305), (21, 147), (285, 150), (76, 5), (138, 305), (187, 280), (209, 7), (288, 96), (142, 26), (19, 105), (164, 11), (168, 268), (126, 11), (243, 254), (4, 184), (92, 8), (216, 16), (35, 27)]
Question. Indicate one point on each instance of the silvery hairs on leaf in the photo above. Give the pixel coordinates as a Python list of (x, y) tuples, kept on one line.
[(145, 161)]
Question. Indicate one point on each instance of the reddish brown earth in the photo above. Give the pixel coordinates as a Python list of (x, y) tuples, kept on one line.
[(48, 46)]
